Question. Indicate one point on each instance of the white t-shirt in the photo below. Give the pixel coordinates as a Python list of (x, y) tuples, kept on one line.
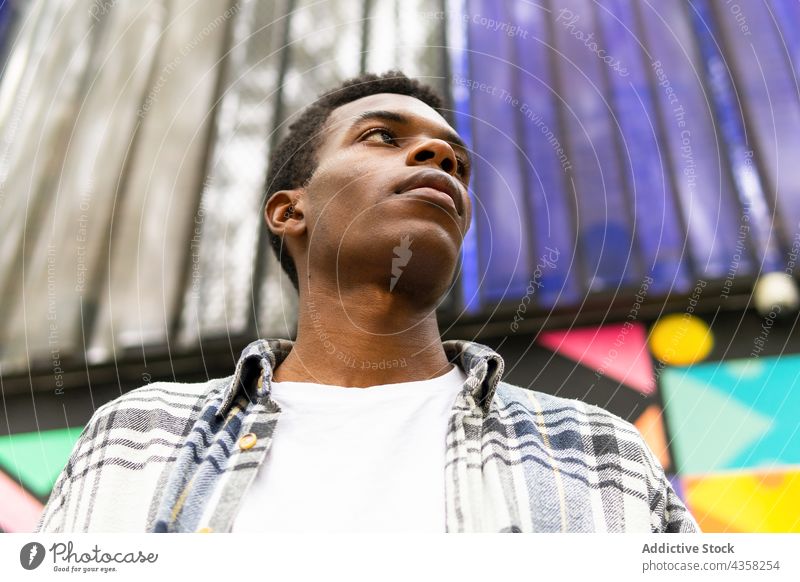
[(354, 459)]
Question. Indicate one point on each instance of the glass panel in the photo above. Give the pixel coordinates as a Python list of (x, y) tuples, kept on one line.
[(659, 235), (501, 213), (748, 187), (41, 98), (407, 35), (702, 183), (603, 218), (458, 61), (765, 84), (324, 49), (153, 226), (545, 161), (219, 287)]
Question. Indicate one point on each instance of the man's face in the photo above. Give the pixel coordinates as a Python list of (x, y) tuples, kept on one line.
[(390, 187)]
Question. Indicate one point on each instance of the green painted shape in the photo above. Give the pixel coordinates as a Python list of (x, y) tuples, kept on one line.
[(37, 458), (769, 386), (709, 428)]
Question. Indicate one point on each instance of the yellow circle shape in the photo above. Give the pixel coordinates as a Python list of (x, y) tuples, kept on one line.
[(681, 339)]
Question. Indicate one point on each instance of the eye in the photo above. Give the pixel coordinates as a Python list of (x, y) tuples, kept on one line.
[(380, 132)]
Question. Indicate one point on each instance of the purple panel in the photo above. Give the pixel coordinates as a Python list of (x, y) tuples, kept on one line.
[(765, 84), (501, 215), (707, 199), (660, 236), (603, 216), (746, 177), (545, 161), (459, 67)]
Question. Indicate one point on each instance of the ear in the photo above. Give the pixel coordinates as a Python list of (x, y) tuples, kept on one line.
[(284, 213)]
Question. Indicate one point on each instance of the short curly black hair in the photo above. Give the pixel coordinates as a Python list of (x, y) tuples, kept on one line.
[(294, 160)]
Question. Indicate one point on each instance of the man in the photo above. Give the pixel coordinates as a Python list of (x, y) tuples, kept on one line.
[(368, 421)]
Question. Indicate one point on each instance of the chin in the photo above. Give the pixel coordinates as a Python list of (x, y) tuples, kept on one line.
[(428, 271), (415, 256)]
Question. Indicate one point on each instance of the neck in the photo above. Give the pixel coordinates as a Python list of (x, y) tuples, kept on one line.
[(363, 337)]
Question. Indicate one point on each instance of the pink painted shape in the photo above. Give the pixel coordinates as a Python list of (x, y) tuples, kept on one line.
[(19, 510), (595, 348)]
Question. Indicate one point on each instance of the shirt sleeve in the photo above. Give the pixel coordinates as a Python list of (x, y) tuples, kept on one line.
[(62, 507), (668, 514), (677, 518)]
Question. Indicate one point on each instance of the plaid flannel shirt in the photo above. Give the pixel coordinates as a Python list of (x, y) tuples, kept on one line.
[(171, 457)]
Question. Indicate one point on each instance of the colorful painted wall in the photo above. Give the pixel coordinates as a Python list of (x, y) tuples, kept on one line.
[(29, 466), (724, 422), (585, 185), (721, 413)]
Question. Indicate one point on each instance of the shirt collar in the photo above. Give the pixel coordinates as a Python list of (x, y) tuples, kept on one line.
[(482, 365)]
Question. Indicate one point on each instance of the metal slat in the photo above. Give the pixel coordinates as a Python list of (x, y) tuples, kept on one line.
[(153, 227), (323, 49), (39, 124), (219, 288), (71, 254), (408, 36)]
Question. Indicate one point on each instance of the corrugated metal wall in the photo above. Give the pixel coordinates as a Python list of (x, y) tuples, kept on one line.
[(135, 142)]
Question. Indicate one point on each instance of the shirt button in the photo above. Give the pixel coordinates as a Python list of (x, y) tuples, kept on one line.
[(205, 530), (248, 441)]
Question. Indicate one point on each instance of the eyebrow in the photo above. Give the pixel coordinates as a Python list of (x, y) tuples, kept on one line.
[(448, 134)]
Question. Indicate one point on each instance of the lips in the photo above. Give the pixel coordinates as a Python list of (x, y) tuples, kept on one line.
[(437, 180)]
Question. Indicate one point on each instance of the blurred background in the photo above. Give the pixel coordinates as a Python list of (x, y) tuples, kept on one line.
[(636, 227)]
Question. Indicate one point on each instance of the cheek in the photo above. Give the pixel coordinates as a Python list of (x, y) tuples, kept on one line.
[(346, 232), (344, 200), (347, 184), (348, 165)]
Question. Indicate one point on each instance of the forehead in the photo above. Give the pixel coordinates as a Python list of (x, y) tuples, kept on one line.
[(344, 116)]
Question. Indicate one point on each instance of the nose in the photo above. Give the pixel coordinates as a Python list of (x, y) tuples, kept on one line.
[(436, 151)]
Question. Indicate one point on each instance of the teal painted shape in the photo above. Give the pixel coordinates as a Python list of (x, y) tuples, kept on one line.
[(36, 459), (740, 414), (709, 429)]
